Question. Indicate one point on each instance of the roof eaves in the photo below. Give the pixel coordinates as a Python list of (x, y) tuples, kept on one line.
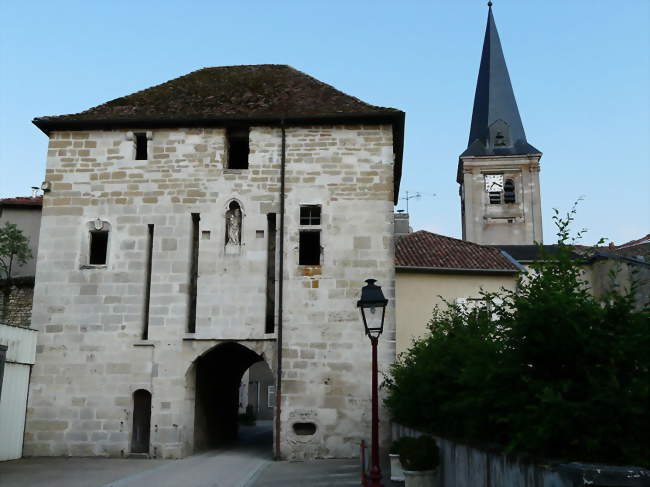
[(454, 270)]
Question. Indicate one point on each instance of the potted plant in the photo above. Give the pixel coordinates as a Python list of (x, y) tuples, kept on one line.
[(420, 458), (396, 473)]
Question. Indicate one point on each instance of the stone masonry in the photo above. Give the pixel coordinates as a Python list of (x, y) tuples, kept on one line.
[(16, 301), (91, 356)]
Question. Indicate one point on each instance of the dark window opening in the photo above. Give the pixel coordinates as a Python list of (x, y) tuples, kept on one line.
[(304, 429), (309, 248), (509, 191), (495, 197), (194, 273), (499, 140), (98, 248), (310, 215), (238, 148), (140, 147)]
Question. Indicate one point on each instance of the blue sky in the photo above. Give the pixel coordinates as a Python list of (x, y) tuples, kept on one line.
[(579, 68)]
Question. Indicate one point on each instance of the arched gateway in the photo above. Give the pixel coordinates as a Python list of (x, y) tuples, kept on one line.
[(216, 376)]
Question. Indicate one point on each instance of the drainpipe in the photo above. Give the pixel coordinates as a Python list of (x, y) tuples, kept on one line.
[(278, 383)]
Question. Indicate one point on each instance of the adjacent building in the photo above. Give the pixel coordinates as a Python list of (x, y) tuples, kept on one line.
[(190, 230), (434, 270)]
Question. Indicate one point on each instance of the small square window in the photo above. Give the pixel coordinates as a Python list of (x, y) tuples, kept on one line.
[(98, 248), (310, 215), (140, 146), (309, 248)]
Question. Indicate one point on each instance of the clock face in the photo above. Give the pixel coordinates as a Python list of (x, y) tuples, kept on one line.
[(493, 182)]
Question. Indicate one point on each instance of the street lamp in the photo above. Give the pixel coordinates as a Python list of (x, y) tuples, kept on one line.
[(373, 310)]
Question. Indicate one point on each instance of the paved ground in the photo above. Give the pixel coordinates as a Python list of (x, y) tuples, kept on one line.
[(246, 464)]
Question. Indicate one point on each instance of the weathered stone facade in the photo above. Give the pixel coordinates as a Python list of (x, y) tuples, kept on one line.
[(516, 223), (91, 357)]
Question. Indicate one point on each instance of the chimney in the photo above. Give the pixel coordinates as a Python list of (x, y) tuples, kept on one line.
[(402, 227)]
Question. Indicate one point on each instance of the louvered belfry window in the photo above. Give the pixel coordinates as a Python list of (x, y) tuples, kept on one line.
[(509, 191)]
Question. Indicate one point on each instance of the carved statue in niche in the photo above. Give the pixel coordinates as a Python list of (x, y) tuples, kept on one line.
[(233, 224)]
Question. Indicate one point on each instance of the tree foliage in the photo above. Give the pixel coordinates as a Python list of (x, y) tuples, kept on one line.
[(14, 249), (550, 370)]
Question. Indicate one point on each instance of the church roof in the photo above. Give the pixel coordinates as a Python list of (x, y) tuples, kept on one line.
[(430, 252), (494, 101)]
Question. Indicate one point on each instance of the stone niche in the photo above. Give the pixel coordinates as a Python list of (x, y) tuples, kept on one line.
[(304, 434)]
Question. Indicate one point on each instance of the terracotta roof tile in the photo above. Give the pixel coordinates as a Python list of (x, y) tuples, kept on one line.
[(426, 249), (22, 201)]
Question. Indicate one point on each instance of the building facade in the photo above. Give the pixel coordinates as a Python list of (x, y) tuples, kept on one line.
[(193, 229), (434, 270), (498, 173)]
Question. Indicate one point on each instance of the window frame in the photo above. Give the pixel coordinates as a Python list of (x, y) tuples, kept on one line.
[(91, 228)]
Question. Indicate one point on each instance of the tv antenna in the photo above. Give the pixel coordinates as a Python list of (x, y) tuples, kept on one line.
[(408, 197)]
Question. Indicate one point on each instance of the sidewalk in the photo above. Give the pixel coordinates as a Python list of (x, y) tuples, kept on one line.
[(319, 473)]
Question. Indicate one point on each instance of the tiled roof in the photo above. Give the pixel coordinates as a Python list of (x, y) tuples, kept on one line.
[(36, 201), (234, 92), (430, 250), (631, 243)]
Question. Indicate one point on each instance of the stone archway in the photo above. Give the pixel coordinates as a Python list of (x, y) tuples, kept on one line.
[(218, 374)]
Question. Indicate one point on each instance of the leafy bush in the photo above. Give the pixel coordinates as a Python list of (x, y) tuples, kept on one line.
[(418, 453), (557, 373), (394, 446)]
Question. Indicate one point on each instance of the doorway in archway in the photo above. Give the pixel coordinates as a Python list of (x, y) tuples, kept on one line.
[(217, 397)]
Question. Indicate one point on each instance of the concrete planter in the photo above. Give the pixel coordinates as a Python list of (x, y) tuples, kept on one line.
[(396, 472), (419, 478)]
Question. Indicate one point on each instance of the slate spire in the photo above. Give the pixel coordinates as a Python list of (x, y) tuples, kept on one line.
[(496, 125)]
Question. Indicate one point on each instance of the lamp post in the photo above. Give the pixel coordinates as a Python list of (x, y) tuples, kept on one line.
[(373, 309)]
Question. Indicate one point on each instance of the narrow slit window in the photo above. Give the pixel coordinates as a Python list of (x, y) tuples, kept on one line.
[(310, 215), (270, 274), (147, 289), (509, 191), (140, 147), (309, 248), (238, 148), (98, 248), (194, 273)]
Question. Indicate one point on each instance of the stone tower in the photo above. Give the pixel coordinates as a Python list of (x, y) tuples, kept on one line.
[(499, 171), (193, 229)]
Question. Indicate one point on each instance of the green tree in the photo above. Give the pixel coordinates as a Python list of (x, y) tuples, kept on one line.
[(14, 249), (550, 369)]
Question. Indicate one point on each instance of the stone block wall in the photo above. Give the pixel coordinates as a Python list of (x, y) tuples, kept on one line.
[(91, 357)]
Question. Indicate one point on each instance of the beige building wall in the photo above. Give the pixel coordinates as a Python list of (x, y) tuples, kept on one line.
[(417, 293)]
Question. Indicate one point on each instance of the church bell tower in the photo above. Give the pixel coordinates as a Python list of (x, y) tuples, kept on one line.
[(499, 171)]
